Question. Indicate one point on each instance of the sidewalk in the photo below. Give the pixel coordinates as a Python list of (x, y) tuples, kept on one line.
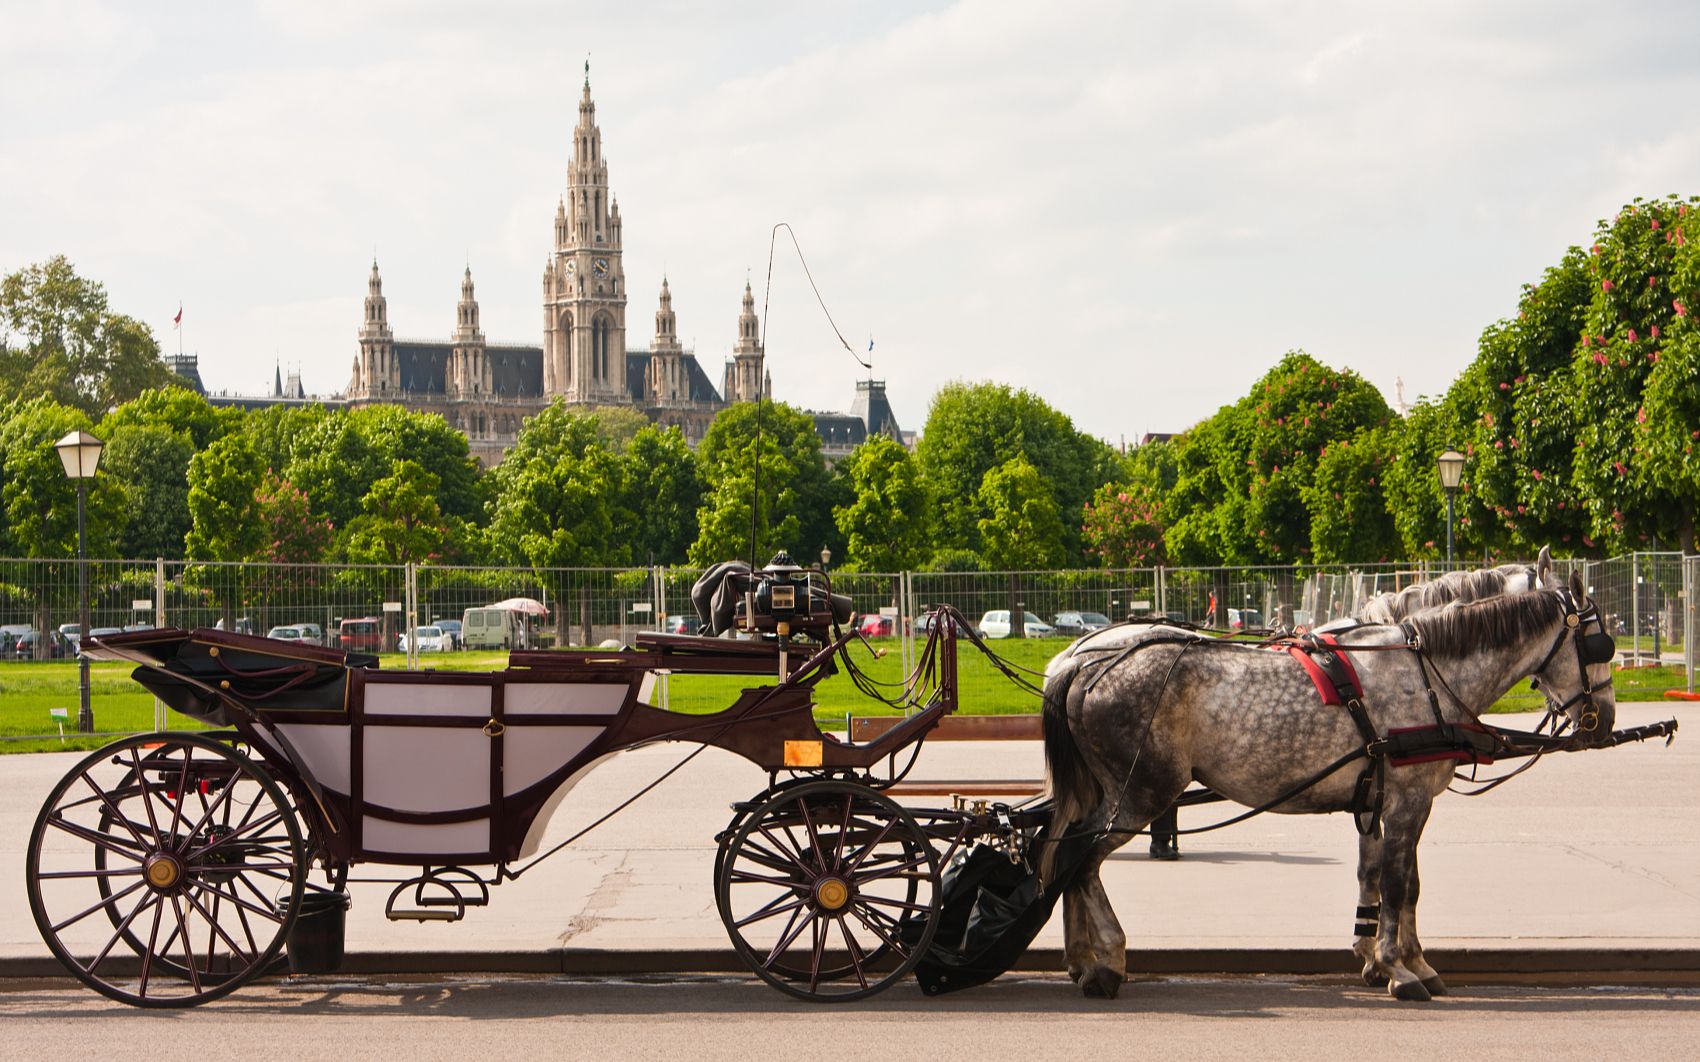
[(1590, 861)]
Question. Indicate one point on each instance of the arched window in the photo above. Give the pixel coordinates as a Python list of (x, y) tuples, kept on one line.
[(599, 330)]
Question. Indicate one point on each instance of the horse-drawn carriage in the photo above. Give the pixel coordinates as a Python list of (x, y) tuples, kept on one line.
[(169, 869)]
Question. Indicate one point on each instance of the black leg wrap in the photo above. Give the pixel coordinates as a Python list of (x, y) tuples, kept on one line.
[(1364, 929), (1368, 911)]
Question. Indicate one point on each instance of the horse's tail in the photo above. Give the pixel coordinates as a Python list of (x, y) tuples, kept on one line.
[(1070, 785)]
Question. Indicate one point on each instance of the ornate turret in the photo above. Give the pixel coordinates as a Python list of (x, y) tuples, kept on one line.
[(469, 367), (745, 381), (375, 369), (665, 378)]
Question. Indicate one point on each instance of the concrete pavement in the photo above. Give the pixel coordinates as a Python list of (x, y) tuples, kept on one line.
[(1590, 861)]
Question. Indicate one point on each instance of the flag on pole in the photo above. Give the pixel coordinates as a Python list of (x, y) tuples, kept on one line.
[(177, 322)]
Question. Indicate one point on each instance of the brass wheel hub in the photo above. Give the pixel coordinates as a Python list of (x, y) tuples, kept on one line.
[(832, 894), (162, 871)]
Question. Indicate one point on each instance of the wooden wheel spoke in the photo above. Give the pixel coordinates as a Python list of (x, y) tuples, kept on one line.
[(104, 903), (786, 849), (887, 872), (870, 918), (270, 916), (119, 931), (773, 861), (744, 877), (856, 956), (182, 789), (769, 910), (188, 945), (814, 835), (868, 848), (147, 800), (147, 954), (206, 816), (120, 873), (886, 901), (116, 845), (785, 939), (217, 930), (819, 934), (232, 837), (112, 810), (849, 820)]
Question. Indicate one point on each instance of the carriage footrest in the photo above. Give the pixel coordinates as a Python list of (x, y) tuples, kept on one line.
[(439, 895)]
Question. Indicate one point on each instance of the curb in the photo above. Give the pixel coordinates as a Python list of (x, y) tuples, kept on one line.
[(1677, 966)]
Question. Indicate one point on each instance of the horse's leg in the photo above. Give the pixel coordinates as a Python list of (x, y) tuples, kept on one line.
[(1406, 810), (1105, 966), (1411, 948), (1077, 938), (1369, 906)]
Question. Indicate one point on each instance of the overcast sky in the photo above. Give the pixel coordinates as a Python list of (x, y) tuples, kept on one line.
[(1130, 208)]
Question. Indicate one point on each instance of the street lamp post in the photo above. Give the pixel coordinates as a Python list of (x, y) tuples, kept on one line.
[(79, 452), (1451, 465), (825, 557)]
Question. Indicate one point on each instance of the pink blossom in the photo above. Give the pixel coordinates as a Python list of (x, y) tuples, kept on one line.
[(1594, 249), (1632, 336), (1600, 358), (1536, 473), (1653, 357), (1621, 470), (1681, 310), (1655, 223), (1606, 285), (1655, 332), (1503, 386)]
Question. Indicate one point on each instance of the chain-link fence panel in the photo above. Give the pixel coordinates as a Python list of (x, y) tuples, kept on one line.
[(40, 600), (344, 606), (1008, 604), (512, 608)]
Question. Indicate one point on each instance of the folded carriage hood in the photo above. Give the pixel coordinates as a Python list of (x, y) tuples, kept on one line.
[(187, 669)]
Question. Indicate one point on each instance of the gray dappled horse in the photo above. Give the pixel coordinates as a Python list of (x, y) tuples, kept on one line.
[(1134, 713)]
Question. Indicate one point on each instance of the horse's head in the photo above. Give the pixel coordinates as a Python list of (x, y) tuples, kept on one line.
[(1576, 674)]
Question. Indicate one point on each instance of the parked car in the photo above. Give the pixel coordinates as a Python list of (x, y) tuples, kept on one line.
[(58, 646), (364, 633), (430, 639), (679, 625), (451, 630), (1241, 619), (1074, 624), (242, 625), (312, 633), (290, 634), (493, 628), (72, 632), (995, 624), (877, 626)]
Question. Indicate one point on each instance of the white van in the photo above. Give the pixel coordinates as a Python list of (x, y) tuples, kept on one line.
[(492, 628)]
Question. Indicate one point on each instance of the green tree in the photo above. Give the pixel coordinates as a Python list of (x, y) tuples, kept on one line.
[(153, 463), (337, 458), (886, 526), (973, 428), (275, 429), (557, 496), (224, 510), (1122, 527), (1346, 499), (61, 340), (177, 410), (1022, 529), (662, 491), (797, 494), (400, 521)]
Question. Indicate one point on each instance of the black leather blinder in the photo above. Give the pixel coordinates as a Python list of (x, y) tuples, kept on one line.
[(1598, 648)]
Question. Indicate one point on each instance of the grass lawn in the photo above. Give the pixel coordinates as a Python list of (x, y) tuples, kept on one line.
[(28, 690)]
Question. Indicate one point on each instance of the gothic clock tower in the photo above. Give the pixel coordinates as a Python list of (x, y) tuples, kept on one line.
[(584, 282)]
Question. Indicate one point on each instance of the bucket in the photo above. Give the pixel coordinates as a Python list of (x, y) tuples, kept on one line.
[(315, 940)]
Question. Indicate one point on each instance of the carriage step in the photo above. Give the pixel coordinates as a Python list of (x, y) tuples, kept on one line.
[(425, 916)]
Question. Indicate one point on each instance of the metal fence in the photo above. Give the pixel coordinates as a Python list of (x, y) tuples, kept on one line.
[(1648, 599)]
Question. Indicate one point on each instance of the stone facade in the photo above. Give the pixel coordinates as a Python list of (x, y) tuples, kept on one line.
[(487, 390)]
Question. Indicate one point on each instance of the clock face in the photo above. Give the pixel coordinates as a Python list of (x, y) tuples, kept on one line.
[(600, 266), (572, 266)]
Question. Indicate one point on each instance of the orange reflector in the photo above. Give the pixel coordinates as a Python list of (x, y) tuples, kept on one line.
[(802, 754)]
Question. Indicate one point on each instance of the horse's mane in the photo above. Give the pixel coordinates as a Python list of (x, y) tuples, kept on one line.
[(1463, 627), (1395, 605)]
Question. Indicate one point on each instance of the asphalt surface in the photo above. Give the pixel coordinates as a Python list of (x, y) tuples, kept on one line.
[(1590, 862), (711, 1018)]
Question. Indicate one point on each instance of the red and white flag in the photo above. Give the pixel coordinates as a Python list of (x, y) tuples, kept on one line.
[(177, 322)]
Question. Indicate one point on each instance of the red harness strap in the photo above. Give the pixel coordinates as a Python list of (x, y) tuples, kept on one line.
[(1335, 688)]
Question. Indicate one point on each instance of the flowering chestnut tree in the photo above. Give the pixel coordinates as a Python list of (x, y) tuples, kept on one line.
[(1122, 528)]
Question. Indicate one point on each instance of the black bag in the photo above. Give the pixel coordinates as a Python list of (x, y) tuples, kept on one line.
[(990, 912)]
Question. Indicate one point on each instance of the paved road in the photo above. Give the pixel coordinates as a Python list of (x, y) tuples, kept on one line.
[(711, 1018)]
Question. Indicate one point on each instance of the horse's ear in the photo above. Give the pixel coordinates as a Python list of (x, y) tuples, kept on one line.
[(1578, 589), (1543, 567)]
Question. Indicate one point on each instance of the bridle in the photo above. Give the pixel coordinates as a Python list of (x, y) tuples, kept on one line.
[(1591, 648)]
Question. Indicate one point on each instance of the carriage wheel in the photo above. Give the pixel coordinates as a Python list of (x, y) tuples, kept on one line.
[(189, 851), (829, 891)]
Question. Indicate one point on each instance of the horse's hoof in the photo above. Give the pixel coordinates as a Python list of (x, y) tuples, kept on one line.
[(1410, 992), (1101, 984), (1374, 977), (1435, 986)]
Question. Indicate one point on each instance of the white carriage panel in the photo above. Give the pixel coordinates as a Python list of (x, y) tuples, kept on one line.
[(324, 749), (564, 698), (426, 768), (427, 698), (411, 838), (532, 753)]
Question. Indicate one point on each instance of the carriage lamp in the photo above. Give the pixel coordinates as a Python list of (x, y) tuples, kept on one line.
[(79, 452), (1451, 465)]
